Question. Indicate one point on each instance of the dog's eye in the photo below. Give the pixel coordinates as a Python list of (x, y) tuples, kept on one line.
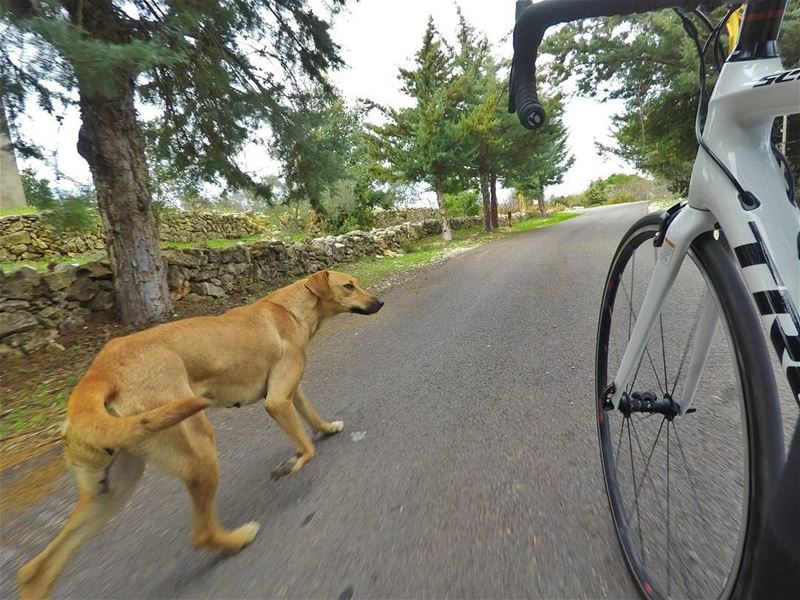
[(349, 286)]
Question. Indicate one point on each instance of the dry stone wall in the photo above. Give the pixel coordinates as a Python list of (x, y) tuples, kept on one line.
[(29, 237), (36, 307)]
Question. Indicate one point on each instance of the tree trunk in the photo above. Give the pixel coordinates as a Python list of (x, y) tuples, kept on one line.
[(447, 233), (11, 193), (112, 143), (542, 207), (493, 192), (487, 201)]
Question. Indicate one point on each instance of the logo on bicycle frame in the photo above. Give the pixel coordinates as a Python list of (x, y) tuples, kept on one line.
[(792, 75)]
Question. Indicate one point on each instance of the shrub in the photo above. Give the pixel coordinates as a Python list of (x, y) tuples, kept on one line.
[(596, 193), (37, 191), (74, 212), (345, 209), (463, 204), (570, 201), (622, 198)]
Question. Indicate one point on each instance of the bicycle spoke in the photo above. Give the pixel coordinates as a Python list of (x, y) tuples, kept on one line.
[(650, 456), (692, 485), (619, 443), (669, 545), (699, 506), (641, 448), (630, 298), (661, 388), (693, 332), (636, 494), (663, 352)]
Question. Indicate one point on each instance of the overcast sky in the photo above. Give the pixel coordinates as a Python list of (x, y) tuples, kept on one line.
[(377, 37)]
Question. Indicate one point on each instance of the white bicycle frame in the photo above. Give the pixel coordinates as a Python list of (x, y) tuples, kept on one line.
[(748, 96)]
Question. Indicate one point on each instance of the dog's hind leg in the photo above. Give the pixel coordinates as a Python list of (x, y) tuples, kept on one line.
[(188, 451), (101, 494), (311, 416), (202, 479)]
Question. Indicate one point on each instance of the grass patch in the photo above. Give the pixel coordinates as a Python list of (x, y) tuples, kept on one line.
[(42, 264), (41, 410), (217, 244), (661, 205), (539, 222), (39, 265), (370, 271), (22, 210)]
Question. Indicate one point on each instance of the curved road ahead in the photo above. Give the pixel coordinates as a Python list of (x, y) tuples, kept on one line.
[(468, 466)]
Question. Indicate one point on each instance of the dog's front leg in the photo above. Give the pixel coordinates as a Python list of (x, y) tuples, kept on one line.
[(311, 416), (283, 382), (283, 411)]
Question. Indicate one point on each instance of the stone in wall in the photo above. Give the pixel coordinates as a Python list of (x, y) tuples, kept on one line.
[(36, 307)]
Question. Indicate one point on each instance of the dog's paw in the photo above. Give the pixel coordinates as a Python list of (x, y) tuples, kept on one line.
[(285, 468), (334, 427), (247, 532)]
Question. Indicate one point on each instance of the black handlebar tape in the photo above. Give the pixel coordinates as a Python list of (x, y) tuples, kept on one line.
[(533, 21)]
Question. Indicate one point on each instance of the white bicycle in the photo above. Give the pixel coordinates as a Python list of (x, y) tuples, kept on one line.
[(688, 413)]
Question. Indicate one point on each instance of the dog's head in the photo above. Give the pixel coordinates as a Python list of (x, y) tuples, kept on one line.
[(342, 293)]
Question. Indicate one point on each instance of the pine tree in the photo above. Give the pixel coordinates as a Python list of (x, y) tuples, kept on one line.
[(215, 71), (481, 97), (502, 149), (427, 142), (529, 161)]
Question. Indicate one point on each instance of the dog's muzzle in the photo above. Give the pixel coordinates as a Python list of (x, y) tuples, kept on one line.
[(370, 309)]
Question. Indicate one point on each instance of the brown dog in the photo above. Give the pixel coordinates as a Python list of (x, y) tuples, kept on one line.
[(158, 380)]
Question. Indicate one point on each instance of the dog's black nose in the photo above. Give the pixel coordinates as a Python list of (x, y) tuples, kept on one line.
[(379, 302)]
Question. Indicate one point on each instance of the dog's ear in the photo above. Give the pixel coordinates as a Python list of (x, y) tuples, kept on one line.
[(319, 285)]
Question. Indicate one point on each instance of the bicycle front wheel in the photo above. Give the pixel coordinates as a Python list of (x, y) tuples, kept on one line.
[(686, 491)]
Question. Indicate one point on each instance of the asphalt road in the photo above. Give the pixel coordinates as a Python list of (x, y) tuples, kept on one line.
[(468, 466)]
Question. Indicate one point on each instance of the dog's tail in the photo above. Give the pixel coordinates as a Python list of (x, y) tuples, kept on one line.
[(89, 420)]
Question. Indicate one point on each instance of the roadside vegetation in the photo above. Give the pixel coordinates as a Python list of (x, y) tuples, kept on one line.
[(208, 98), (619, 188), (35, 388)]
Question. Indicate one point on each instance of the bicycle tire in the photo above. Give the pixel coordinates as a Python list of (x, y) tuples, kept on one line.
[(760, 406)]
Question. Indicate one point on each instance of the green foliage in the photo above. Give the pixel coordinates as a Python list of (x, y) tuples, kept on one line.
[(569, 201), (326, 158), (344, 210), (315, 142), (74, 212), (427, 142), (37, 190), (539, 222), (214, 74), (463, 204), (458, 135), (65, 211), (596, 193), (618, 189), (649, 62)]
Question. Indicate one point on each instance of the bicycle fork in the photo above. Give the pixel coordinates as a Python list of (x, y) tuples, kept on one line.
[(684, 228)]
